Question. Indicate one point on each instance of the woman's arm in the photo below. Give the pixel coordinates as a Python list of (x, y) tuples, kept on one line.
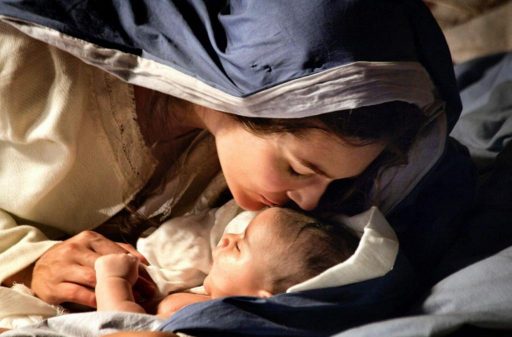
[(20, 247), (70, 190)]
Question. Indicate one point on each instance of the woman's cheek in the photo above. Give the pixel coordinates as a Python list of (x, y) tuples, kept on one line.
[(275, 181)]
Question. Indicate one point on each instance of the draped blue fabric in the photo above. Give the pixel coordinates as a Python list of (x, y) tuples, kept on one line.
[(242, 47)]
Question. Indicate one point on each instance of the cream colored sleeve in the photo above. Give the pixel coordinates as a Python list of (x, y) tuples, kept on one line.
[(71, 152), (19, 245)]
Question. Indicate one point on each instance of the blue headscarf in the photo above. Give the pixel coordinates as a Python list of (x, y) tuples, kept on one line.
[(260, 58)]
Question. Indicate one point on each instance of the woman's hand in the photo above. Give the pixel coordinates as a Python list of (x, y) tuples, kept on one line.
[(65, 273)]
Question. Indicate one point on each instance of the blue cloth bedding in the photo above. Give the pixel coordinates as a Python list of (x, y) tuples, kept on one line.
[(485, 126), (472, 302)]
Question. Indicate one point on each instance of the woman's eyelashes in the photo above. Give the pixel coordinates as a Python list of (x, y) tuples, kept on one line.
[(292, 171), (298, 173)]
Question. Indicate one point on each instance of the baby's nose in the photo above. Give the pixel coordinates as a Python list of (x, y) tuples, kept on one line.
[(225, 241)]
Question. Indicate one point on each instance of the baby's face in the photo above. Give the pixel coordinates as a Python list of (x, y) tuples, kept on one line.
[(240, 261)]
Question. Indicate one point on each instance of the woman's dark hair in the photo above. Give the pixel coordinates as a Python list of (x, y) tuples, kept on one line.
[(395, 123)]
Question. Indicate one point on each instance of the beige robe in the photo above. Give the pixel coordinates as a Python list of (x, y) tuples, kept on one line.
[(71, 152)]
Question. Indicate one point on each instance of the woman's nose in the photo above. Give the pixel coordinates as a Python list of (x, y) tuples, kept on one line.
[(307, 197)]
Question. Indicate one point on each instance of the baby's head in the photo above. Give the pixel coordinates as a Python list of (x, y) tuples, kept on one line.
[(279, 248)]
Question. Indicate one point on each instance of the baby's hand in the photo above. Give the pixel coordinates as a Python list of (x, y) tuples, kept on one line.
[(117, 265)]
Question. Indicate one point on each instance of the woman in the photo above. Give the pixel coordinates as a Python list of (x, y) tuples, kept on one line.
[(336, 105)]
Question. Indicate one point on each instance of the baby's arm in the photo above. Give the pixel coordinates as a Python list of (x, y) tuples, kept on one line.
[(174, 302), (115, 276)]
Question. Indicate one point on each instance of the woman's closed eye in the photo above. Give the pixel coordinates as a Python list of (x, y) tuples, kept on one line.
[(292, 171), (295, 172)]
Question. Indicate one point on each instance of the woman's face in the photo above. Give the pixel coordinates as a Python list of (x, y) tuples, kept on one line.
[(270, 170)]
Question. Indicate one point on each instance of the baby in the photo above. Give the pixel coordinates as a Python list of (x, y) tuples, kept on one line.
[(279, 248)]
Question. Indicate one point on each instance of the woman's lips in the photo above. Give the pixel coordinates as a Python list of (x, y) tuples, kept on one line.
[(269, 203)]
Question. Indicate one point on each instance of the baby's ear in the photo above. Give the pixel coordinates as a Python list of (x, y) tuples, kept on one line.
[(264, 293)]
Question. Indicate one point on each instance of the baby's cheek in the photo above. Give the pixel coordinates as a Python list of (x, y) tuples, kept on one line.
[(213, 284), (206, 285)]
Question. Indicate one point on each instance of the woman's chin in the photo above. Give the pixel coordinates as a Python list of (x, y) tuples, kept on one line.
[(249, 204)]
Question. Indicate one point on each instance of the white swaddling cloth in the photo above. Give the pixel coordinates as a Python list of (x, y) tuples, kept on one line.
[(180, 250), (374, 257)]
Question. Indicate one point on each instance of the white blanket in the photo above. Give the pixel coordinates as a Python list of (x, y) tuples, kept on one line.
[(179, 252), (89, 324)]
